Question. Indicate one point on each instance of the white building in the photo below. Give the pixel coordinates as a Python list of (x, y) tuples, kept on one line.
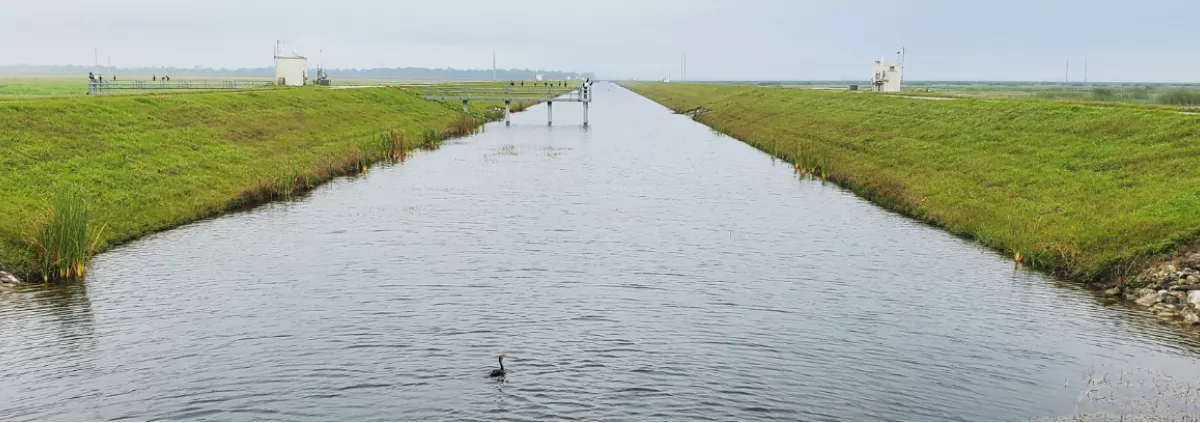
[(885, 76), (539, 77), (291, 70)]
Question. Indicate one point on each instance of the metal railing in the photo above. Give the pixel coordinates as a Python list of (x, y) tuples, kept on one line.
[(576, 93), (109, 87)]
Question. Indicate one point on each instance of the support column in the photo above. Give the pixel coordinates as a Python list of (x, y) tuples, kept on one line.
[(585, 114), (507, 112), (549, 113), (465, 107)]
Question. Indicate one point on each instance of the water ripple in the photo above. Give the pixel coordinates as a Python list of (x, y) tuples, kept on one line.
[(656, 272)]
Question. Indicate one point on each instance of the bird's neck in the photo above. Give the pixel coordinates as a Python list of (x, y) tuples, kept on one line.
[(501, 363)]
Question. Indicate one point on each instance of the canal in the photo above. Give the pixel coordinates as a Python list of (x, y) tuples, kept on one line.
[(643, 269)]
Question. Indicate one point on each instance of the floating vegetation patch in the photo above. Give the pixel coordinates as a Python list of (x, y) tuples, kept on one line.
[(494, 155), (554, 152), (506, 150), (415, 211), (1134, 395)]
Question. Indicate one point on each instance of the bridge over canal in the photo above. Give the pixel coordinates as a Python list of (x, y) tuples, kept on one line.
[(549, 94)]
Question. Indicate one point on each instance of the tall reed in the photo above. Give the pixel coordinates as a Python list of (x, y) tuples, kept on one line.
[(396, 144), (64, 240), (811, 164), (464, 125), (432, 138), (287, 183)]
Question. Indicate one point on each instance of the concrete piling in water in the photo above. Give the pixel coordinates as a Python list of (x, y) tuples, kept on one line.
[(549, 113), (507, 112)]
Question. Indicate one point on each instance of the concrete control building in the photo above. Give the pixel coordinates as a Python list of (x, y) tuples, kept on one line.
[(885, 76), (291, 70)]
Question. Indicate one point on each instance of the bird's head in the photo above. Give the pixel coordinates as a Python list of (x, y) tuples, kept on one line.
[(503, 355)]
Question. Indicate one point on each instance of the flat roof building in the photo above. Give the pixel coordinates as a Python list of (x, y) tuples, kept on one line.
[(291, 70), (885, 76)]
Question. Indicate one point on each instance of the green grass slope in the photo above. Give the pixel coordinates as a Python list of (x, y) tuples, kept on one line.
[(1092, 192), (145, 163)]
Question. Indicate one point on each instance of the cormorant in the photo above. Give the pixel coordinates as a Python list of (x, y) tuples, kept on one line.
[(499, 372)]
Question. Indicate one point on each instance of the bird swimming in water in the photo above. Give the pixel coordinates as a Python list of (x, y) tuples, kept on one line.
[(499, 372)]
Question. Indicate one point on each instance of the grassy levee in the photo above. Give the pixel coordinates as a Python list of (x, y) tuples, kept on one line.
[(1090, 192), (146, 163)]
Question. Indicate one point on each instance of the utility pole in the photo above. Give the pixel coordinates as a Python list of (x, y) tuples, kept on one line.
[(1085, 72), (493, 66), (1067, 74)]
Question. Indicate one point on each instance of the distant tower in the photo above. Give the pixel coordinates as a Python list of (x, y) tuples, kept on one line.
[(683, 66), (493, 66)]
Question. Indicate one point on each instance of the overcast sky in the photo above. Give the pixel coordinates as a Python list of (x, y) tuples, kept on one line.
[(1146, 40)]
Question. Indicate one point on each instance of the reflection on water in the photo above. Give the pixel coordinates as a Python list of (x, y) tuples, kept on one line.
[(47, 334), (68, 325), (643, 269)]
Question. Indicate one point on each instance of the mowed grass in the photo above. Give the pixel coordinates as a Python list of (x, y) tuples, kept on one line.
[(24, 86), (1092, 192), (1170, 95), (146, 163), (1179, 96)]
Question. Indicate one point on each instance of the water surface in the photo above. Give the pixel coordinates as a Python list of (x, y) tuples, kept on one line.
[(644, 269)]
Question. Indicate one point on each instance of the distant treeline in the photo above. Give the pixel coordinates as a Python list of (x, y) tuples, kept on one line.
[(397, 73)]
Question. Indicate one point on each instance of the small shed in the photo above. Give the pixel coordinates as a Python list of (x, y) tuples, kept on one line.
[(885, 76), (291, 70)]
